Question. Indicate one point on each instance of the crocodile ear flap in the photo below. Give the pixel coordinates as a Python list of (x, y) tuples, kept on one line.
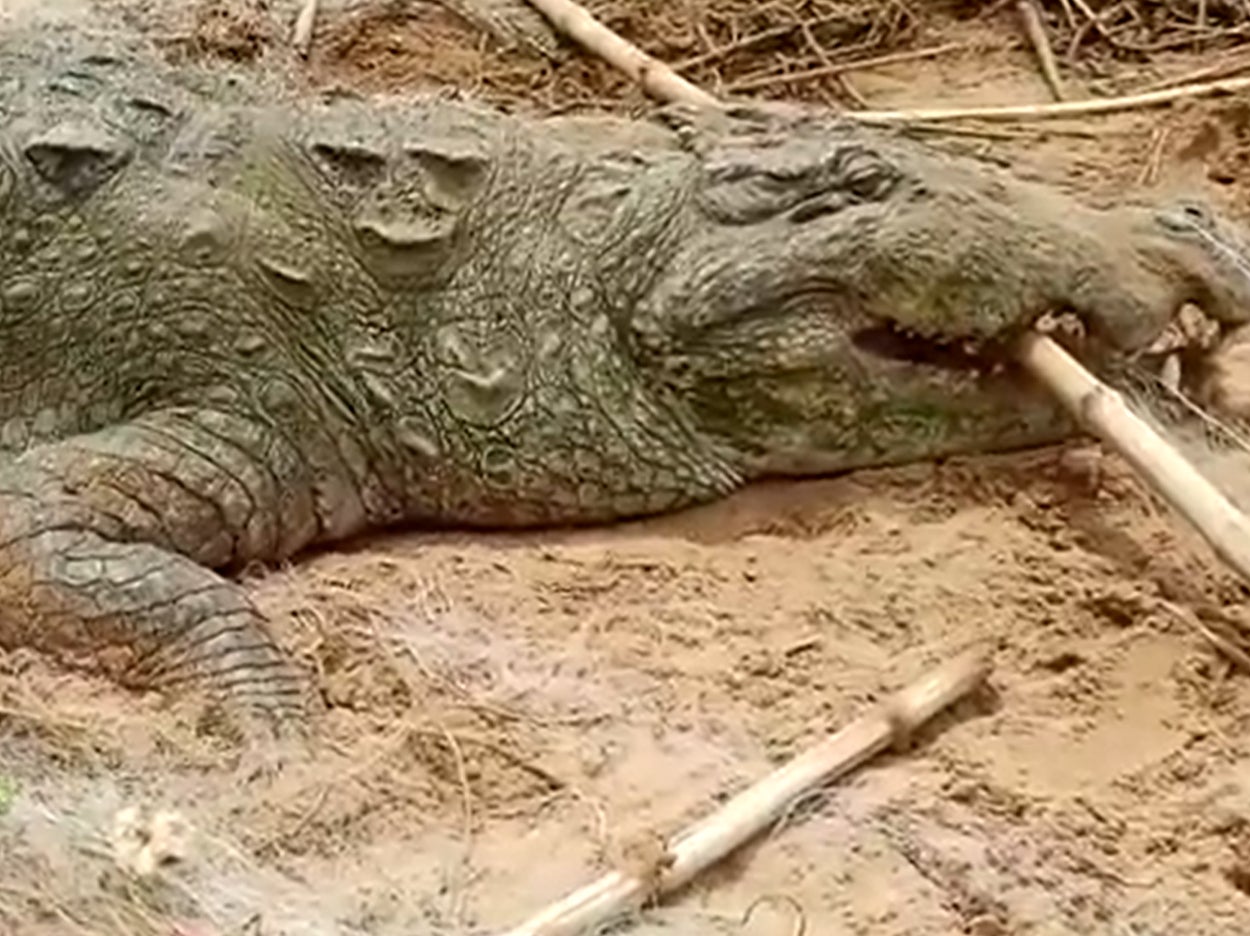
[(76, 159), (456, 175), (355, 164)]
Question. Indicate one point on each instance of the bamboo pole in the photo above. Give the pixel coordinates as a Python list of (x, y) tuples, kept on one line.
[(656, 78), (756, 809), (1103, 412), (1060, 109)]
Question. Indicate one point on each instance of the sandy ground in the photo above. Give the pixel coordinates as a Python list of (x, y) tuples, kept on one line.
[(511, 715)]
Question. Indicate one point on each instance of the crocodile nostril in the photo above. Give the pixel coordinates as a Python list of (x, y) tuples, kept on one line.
[(1196, 213), (1187, 217)]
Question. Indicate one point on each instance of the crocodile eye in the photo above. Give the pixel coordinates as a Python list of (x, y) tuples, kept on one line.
[(869, 184), (869, 180)]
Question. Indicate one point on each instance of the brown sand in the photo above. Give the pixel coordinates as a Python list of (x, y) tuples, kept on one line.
[(510, 715)]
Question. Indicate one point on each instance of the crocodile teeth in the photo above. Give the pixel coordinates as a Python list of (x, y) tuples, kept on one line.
[(1170, 374), (1170, 340)]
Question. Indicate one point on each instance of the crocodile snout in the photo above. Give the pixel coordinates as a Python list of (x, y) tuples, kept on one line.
[(1214, 255), (1148, 262)]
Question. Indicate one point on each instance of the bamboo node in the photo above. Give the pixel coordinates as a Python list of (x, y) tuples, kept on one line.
[(902, 724), (645, 858), (1098, 399)]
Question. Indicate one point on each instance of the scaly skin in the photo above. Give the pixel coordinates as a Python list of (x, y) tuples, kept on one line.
[(233, 329)]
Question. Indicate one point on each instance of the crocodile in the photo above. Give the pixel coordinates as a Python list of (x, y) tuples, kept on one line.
[(236, 325)]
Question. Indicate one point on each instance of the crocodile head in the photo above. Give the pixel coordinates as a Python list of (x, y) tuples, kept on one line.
[(844, 298)]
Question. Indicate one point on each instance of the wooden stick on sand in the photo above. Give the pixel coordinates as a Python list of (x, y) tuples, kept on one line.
[(754, 810), (656, 78)]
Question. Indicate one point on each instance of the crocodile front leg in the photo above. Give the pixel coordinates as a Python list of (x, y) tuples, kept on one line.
[(109, 542)]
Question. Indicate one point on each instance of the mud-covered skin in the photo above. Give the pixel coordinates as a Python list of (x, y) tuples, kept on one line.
[(232, 330)]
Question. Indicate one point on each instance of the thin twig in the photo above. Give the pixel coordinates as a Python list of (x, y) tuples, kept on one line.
[(466, 793), (753, 84), (1001, 132), (1061, 109), (982, 133), (1154, 158), (771, 69), (1224, 645), (1210, 72), (1036, 31), (1210, 420), (852, 91), (812, 43), (655, 78), (462, 775), (1068, 14), (843, 81), (754, 39), (1095, 21), (301, 36)]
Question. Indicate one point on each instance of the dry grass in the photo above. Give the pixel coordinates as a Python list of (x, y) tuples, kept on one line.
[(797, 49), (717, 44), (1139, 28), (806, 50), (59, 750), (418, 735)]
